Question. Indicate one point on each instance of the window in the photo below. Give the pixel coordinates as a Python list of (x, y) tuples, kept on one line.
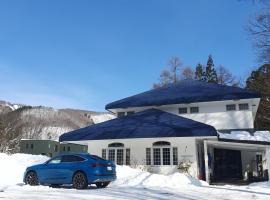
[(111, 155), (64, 148), (148, 156), (182, 110), (120, 156), (156, 153), (32, 146), (230, 107), (161, 143), (127, 156), (56, 160), (166, 156), (55, 148), (120, 114), (175, 156), (72, 158), (68, 148), (27, 146), (130, 112), (243, 106), (194, 109), (104, 153), (116, 144)]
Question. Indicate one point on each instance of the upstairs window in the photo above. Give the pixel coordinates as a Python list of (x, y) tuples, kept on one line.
[(230, 107), (243, 106), (130, 112), (120, 114), (194, 109), (182, 110), (32, 146)]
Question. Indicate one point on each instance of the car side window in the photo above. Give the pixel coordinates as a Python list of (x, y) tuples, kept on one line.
[(72, 158), (56, 160)]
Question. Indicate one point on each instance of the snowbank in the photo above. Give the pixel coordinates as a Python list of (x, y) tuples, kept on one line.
[(127, 176), (263, 136), (12, 167)]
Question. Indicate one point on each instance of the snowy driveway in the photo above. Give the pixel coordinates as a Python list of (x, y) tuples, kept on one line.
[(260, 192), (130, 184)]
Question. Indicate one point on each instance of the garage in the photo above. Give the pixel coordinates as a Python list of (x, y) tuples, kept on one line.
[(227, 165)]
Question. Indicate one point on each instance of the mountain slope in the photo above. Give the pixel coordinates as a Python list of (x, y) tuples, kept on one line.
[(20, 121)]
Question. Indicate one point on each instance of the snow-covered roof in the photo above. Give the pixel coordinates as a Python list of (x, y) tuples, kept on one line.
[(150, 123), (258, 136), (186, 91)]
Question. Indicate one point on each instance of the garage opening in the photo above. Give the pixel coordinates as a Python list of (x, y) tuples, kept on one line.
[(227, 165)]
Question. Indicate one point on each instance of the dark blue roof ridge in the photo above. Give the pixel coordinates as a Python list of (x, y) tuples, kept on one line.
[(185, 91), (149, 123)]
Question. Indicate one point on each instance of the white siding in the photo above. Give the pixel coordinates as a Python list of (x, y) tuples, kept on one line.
[(186, 150), (214, 113)]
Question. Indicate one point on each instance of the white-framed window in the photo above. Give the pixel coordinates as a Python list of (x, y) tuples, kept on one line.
[(103, 155), (111, 155), (156, 156), (230, 107), (175, 156), (121, 114), (182, 110), (148, 156), (243, 106), (162, 153), (194, 109), (117, 153)]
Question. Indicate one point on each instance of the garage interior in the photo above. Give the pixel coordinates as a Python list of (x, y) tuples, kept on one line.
[(221, 162)]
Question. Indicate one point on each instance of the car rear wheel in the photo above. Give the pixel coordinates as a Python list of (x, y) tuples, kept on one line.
[(79, 181), (31, 178), (102, 184)]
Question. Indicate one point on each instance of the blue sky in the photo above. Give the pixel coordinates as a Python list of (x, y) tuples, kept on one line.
[(85, 54)]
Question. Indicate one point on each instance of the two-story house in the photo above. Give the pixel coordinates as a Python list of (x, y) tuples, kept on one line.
[(185, 123)]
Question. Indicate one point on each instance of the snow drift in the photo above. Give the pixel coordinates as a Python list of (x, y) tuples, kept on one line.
[(12, 168)]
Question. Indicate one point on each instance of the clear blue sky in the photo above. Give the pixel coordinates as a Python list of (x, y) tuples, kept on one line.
[(85, 54)]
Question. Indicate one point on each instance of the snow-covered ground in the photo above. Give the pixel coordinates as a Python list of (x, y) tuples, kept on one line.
[(131, 184)]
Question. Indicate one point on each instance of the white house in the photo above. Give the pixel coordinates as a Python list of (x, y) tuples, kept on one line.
[(185, 122)]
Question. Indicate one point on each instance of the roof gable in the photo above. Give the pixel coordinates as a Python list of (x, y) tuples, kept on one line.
[(186, 91), (150, 123)]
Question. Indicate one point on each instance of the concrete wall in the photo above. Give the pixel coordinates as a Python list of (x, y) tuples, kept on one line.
[(186, 151), (213, 113)]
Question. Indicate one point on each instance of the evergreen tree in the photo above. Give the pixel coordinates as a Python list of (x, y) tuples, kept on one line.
[(259, 81), (210, 74), (199, 72)]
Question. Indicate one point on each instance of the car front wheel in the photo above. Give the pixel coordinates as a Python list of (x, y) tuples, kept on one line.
[(102, 184), (31, 178), (79, 181)]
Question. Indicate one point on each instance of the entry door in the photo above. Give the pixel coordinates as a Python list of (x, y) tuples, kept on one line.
[(227, 164)]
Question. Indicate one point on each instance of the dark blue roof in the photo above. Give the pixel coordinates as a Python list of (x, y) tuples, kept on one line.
[(186, 91), (146, 124)]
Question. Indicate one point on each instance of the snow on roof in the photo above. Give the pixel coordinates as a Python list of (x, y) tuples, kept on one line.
[(150, 123), (185, 91), (258, 136)]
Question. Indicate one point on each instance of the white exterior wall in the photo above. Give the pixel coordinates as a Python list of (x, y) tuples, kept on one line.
[(213, 113), (186, 150)]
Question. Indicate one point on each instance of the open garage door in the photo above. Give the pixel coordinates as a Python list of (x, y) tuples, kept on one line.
[(227, 165)]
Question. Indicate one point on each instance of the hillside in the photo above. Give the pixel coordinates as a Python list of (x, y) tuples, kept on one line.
[(37, 122)]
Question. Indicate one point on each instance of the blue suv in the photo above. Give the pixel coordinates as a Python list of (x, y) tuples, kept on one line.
[(80, 170)]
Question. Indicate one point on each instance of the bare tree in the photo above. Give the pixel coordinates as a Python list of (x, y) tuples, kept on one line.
[(175, 64), (259, 29), (224, 76), (188, 73), (165, 78)]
